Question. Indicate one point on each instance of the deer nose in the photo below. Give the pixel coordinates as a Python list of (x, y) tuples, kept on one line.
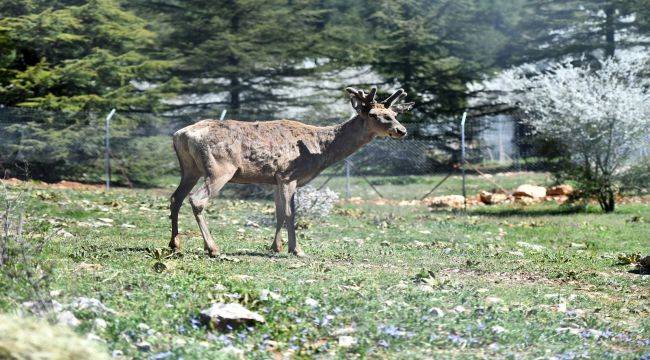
[(400, 131)]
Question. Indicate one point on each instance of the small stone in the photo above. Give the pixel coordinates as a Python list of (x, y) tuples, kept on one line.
[(143, 327), (344, 331), (231, 352), (459, 309), (492, 300), (311, 302), (437, 312), (143, 346), (67, 317), (100, 324), (347, 341), (498, 329)]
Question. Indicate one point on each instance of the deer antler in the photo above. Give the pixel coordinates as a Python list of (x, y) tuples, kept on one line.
[(361, 95), (396, 96)]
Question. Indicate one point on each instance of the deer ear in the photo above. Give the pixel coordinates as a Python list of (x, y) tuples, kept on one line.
[(356, 103), (402, 108)]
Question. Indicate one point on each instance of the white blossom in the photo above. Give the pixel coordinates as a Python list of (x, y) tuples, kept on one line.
[(314, 203), (600, 113)]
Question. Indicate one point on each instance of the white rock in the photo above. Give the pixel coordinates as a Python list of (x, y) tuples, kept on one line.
[(230, 352), (223, 314), (459, 309), (492, 300), (498, 329), (531, 191), (100, 323), (311, 302), (90, 304), (347, 341), (534, 247), (67, 317)]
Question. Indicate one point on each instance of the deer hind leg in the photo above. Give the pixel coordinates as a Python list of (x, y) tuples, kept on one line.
[(199, 201), (176, 201), (279, 220)]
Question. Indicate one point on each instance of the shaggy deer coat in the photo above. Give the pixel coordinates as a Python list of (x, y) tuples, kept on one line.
[(285, 153)]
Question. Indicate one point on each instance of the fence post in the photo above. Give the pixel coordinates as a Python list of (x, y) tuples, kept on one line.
[(347, 179), (107, 150), (462, 156)]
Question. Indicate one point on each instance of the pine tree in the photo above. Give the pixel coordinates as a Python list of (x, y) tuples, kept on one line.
[(236, 54), (552, 29), (77, 57)]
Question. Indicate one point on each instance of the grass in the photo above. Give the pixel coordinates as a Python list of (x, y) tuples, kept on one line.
[(403, 281)]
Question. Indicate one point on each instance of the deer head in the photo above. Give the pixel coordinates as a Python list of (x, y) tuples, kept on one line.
[(381, 116)]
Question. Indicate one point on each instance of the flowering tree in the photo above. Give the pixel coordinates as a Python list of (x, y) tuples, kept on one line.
[(600, 114)]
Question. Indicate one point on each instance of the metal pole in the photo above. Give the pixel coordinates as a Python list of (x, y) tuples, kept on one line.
[(223, 115), (462, 156), (107, 152), (347, 179)]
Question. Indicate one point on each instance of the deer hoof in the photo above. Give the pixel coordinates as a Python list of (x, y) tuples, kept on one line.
[(276, 248), (175, 245), (213, 253), (298, 253)]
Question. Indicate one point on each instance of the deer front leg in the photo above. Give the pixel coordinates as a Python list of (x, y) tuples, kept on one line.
[(288, 194), (279, 220)]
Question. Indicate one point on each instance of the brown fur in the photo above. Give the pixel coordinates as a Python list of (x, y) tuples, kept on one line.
[(282, 152)]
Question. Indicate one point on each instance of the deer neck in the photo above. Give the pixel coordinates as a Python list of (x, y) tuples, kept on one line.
[(345, 139)]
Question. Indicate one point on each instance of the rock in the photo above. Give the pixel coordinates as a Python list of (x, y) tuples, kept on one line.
[(143, 346), (531, 191), (534, 247), (452, 201), (347, 341), (489, 198), (344, 331), (525, 200), (437, 312), (224, 315), (67, 318), (645, 262), (231, 352), (143, 327), (459, 309), (64, 234), (560, 199), (564, 189), (311, 302), (89, 267), (90, 304), (100, 324), (42, 308), (498, 329), (268, 294), (492, 300)]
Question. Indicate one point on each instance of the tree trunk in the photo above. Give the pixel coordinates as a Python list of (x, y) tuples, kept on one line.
[(607, 201), (610, 41)]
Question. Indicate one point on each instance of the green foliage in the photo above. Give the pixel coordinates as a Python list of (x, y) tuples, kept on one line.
[(74, 58)]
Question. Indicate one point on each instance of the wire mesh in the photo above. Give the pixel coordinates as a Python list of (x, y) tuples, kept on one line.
[(501, 154)]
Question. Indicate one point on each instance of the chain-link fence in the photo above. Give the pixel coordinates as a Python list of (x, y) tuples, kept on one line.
[(501, 154)]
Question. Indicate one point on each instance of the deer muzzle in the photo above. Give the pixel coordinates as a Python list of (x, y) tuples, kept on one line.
[(397, 132)]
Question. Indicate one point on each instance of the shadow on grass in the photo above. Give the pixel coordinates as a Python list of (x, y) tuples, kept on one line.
[(133, 249), (266, 254), (525, 212)]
